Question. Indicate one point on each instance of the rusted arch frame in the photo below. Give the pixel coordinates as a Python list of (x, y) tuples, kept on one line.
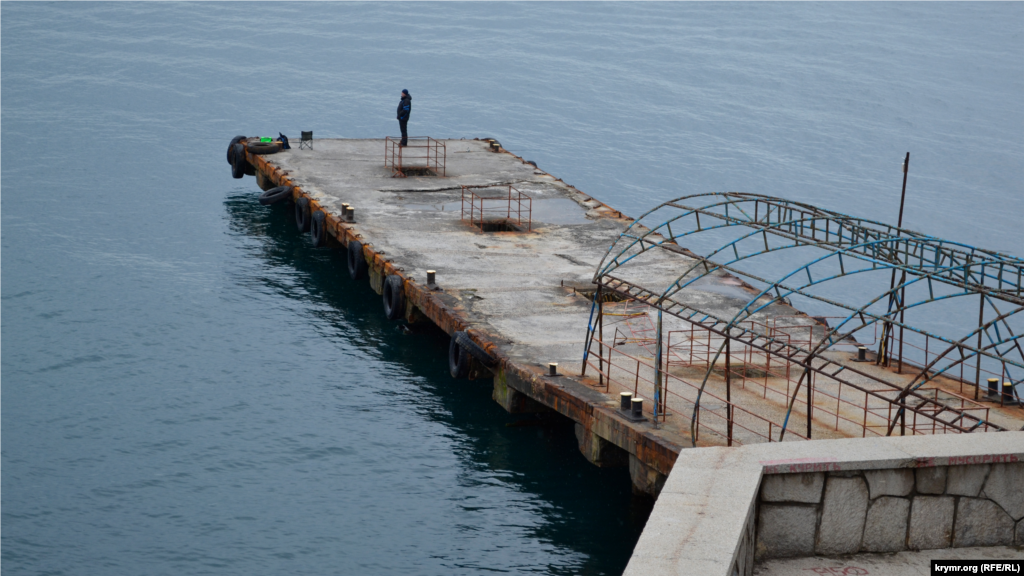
[(884, 265), (808, 360), (939, 247), (782, 290), (807, 365), (911, 387), (862, 311), (827, 338), (733, 199), (755, 337), (818, 348), (877, 264), (667, 225), (1014, 340)]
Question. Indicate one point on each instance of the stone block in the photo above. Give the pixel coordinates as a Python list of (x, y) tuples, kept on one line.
[(931, 522), (842, 516), (965, 480), (785, 531), (897, 482), (886, 527), (1018, 537), (981, 522), (1005, 486), (793, 487), (931, 480)]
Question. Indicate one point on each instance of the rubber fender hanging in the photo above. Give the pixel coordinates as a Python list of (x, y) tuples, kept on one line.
[(394, 297), (531, 162), (356, 261), (263, 147), (302, 214), (275, 195), (458, 359), (318, 229), (231, 148), (475, 351), (239, 162)]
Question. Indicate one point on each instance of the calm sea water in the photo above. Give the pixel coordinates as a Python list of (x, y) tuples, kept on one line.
[(189, 388)]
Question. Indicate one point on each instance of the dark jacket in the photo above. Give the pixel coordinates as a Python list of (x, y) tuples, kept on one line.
[(405, 107)]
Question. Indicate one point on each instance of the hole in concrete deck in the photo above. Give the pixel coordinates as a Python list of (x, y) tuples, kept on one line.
[(501, 225), (417, 171)]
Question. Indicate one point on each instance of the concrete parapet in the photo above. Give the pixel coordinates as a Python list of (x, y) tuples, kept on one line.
[(833, 497)]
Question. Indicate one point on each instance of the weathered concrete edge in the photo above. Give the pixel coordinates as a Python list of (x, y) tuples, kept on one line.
[(563, 394), (705, 512)]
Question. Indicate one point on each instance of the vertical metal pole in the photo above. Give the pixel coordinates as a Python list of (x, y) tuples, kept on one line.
[(903, 309), (883, 356), (810, 400), (977, 358), (600, 336), (728, 384), (657, 372)]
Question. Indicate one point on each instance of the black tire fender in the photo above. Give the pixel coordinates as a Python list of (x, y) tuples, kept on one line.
[(302, 214), (458, 359), (356, 261), (532, 163), (275, 195), (475, 351), (263, 147), (394, 297), (239, 164), (231, 148), (318, 229)]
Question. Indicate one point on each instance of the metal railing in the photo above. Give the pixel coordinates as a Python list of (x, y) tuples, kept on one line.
[(497, 208), (746, 390), (422, 156)]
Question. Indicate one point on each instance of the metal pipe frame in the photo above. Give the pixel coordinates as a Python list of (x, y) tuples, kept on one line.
[(856, 246)]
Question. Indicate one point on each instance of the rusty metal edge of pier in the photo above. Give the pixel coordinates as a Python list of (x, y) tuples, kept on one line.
[(563, 394)]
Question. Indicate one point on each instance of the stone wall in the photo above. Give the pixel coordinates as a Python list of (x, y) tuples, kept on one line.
[(721, 509), (889, 510)]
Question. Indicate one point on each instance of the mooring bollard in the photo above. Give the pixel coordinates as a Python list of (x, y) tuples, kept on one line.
[(993, 386), (862, 353), (638, 407), (624, 401), (552, 368), (350, 214), (430, 277), (1008, 393)]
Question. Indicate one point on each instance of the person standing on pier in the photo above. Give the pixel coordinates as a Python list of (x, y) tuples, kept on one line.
[(404, 108)]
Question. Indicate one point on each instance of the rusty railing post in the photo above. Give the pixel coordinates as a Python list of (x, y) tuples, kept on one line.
[(728, 383)]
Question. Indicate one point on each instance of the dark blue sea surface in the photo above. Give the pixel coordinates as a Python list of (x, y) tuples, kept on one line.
[(189, 388)]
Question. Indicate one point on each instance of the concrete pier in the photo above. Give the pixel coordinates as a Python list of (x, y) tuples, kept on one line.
[(520, 287)]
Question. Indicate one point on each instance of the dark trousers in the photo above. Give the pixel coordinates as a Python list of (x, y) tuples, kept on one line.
[(405, 133)]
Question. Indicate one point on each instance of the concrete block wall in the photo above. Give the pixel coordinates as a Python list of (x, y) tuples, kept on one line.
[(831, 513), (723, 509)]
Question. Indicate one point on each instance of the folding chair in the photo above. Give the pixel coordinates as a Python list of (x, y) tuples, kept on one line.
[(307, 140)]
